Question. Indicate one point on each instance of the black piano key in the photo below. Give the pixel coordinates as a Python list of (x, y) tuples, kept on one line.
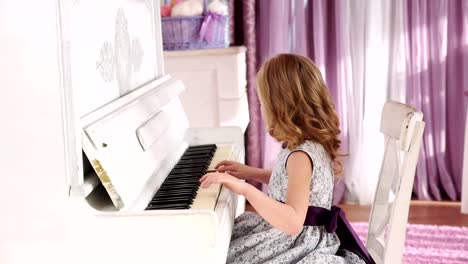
[(201, 166), (168, 199), (171, 201), (182, 184), (211, 146), (176, 183), (190, 162), (187, 171), (170, 206), (191, 194), (178, 187), (184, 177), (177, 190), (198, 148), (181, 181), (193, 161), (198, 152), (197, 156), (180, 191), (174, 196), (174, 191), (188, 195)]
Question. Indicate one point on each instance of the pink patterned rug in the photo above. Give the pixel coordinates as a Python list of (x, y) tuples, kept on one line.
[(430, 243)]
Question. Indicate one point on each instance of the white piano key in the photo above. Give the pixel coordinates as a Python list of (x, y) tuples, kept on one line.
[(207, 197), (223, 152)]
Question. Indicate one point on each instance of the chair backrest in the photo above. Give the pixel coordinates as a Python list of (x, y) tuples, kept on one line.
[(403, 128)]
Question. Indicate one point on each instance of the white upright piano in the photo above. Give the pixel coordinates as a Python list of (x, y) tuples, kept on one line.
[(135, 162)]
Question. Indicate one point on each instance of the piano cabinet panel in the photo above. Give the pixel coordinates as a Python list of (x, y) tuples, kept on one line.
[(152, 237), (215, 81), (234, 112), (177, 236)]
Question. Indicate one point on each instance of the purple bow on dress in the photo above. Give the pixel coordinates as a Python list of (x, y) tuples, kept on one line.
[(208, 28), (335, 221)]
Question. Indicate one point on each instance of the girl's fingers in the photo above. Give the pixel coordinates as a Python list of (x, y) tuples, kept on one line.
[(227, 168), (208, 180), (223, 163), (214, 177), (203, 178), (205, 183)]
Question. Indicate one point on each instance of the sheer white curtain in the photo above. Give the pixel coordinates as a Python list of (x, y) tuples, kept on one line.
[(373, 70)]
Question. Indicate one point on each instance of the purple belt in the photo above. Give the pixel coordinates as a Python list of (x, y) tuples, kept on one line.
[(335, 221)]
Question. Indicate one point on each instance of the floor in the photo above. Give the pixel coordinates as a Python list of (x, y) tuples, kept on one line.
[(421, 212)]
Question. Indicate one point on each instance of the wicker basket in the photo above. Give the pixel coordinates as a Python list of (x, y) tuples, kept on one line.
[(195, 32)]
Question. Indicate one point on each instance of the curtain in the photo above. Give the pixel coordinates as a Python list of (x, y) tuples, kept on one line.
[(373, 67), (243, 25), (370, 51), (358, 47), (437, 76)]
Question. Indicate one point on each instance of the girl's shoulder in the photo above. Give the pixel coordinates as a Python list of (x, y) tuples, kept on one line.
[(310, 146), (315, 150)]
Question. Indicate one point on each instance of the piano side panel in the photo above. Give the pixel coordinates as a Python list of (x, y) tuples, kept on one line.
[(226, 211)]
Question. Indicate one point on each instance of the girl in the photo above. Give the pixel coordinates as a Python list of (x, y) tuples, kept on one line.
[(294, 223)]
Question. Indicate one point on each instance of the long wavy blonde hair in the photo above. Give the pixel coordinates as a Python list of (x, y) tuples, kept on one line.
[(296, 104)]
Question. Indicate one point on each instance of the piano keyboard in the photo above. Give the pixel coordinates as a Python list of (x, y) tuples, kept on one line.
[(181, 189)]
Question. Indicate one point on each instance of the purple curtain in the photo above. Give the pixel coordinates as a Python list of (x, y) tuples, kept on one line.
[(243, 24), (437, 76)]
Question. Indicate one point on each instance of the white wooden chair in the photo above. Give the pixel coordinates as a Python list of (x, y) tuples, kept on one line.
[(403, 128)]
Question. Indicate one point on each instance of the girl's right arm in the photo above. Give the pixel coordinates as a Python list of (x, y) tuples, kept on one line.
[(244, 172)]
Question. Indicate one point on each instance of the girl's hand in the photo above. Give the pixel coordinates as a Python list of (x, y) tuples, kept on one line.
[(236, 169), (230, 182)]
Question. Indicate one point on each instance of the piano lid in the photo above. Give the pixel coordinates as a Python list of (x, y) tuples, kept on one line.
[(136, 139)]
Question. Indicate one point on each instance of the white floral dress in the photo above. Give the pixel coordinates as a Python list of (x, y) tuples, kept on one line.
[(256, 241)]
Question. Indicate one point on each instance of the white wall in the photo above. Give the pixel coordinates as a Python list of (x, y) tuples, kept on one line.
[(32, 171)]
